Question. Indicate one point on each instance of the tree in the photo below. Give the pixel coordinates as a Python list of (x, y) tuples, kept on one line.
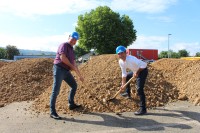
[(11, 51), (175, 55), (163, 54), (197, 54), (103, 30), (183, 53), (2, 53)]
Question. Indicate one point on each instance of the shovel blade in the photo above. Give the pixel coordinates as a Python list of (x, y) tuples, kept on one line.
[(112, 99)]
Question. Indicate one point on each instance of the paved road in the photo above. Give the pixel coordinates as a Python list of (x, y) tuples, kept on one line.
[(179, 117)]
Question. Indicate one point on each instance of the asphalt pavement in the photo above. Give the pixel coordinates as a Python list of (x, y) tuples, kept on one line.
[(178, 117)]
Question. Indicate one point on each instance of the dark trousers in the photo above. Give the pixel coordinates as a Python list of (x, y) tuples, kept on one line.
[(140, 81), (60, 74)]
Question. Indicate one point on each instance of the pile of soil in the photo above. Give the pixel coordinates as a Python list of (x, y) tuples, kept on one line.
[(102, 80), (24, 80), (184, 74), (31, 79), (3, 63)]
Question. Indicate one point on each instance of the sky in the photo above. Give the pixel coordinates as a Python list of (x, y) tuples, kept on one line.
[(44, 24)]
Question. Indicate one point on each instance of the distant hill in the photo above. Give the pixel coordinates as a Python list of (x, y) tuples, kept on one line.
[(35, 52)]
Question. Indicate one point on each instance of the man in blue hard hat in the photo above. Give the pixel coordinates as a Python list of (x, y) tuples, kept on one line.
[(138, 70), (64, 63)]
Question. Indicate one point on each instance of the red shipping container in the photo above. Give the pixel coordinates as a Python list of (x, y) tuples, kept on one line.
[(144, 54)]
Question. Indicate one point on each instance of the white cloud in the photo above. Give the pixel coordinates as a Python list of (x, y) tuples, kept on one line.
[(161, 18), (50, 7), (46, 43), (192, 47), (148, 6), (150, 42), (161, 43), (46, 7), (51, 43)]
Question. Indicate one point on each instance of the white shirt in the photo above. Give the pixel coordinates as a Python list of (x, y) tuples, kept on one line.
[(131, 63)]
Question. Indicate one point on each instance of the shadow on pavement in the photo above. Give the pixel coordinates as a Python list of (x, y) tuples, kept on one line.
[(142, 124), (179, 114)]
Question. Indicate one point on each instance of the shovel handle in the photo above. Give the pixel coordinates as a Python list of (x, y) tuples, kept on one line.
[(123, 87)]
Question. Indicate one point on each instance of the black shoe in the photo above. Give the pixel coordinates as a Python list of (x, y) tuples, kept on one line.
[(74, 106), (140, 112), (55, 116)]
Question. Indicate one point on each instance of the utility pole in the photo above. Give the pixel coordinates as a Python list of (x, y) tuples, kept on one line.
[(168, 45)]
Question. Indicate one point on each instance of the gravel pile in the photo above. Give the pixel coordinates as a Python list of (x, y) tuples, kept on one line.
[(31, 79)]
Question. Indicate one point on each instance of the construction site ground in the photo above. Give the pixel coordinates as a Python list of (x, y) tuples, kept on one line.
[(172, 92)]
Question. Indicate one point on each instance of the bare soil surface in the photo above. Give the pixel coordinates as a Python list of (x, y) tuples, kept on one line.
[(169, 80)]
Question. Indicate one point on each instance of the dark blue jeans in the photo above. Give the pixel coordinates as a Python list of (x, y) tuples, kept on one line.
[(140, 81), (60, 74)]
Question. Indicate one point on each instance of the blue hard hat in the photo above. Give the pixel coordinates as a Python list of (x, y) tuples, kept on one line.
[(75, 35), (120, 49)]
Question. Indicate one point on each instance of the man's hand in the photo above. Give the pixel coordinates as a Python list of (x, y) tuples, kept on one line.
[(122, 88), (81, 78), (79, 74), (135, 75), (138, 72)]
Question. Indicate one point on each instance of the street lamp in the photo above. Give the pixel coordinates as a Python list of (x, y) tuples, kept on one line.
[(168, 44)]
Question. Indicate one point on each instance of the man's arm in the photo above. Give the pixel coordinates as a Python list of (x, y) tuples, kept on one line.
[(138, 72), (123, 83), (73, 67), (78, 72), (65, 60)]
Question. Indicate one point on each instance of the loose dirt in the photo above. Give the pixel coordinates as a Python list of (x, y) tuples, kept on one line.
[(31, 79)]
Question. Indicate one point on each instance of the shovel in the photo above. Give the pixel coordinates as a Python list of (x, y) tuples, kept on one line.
[(120, 90)]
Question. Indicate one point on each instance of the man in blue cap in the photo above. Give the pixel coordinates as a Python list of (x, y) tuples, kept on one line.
[(138, 70), (64, 63)]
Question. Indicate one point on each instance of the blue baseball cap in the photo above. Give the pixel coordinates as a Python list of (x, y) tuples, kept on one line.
[(75, 35)]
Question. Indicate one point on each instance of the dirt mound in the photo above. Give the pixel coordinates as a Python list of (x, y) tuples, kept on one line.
[(102, 80), (24, 79), (31, 79), (3, 63), (184, 74)]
